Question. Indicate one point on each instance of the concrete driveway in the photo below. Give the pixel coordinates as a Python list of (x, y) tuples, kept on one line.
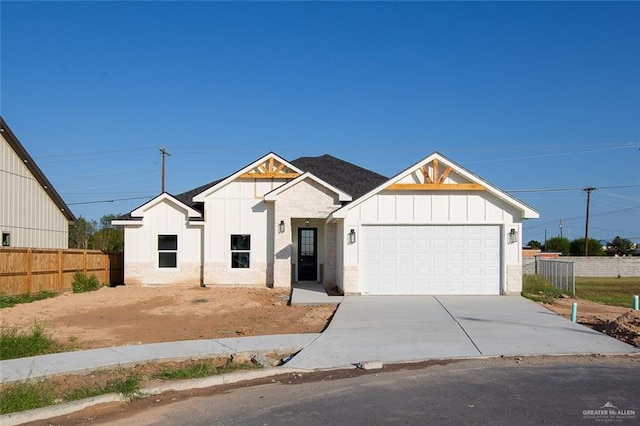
[(413, 328)]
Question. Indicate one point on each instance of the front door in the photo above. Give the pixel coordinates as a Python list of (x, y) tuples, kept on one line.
[(307, 254)]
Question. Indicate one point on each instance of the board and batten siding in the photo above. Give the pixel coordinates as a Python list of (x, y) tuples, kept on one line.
[(239, 208), (433, 208), (27, 212), (141, 254)]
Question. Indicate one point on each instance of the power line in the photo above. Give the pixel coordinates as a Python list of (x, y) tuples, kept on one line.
[(570, 189), (109, 201), (565, 219), (79, 154)]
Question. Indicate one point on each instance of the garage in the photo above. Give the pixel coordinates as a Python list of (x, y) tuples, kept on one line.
[(431, 259)]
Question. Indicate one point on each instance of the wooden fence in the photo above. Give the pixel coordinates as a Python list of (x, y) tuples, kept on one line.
[(31, 270)]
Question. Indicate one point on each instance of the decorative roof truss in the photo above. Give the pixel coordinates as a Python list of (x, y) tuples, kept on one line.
[(270, 169), (435, 181)]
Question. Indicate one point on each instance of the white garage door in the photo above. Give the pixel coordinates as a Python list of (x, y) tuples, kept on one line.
[(431, 259)]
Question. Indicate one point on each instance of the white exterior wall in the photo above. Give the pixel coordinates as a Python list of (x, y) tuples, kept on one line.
[(432, 208), (141, 252), (305, 200), (27, 212), (238, 208)]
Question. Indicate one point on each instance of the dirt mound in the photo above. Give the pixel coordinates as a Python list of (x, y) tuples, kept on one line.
[(615, 321), (626, 328)]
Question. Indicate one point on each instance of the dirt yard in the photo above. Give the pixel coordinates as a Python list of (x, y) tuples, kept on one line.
[(618, 322), (124, 315)]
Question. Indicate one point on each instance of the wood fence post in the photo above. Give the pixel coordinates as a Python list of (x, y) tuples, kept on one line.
[(105, 260), (60, 285), (27, 282), (84, 261)]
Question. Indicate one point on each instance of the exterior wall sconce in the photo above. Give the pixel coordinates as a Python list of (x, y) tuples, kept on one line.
[(352, 236), (306, 222), (281, 227), (512, 236)]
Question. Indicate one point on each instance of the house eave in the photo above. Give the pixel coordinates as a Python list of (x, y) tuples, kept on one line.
[(31, 165), (127, 222)]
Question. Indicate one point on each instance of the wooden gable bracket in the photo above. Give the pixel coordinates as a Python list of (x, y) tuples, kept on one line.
[(269, 171), (436, 182)]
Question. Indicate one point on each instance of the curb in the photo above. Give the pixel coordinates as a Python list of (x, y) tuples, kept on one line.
[(45, 413)]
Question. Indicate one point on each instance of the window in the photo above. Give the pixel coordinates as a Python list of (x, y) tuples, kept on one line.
[(240, 251), (167, 251), (6, 239)]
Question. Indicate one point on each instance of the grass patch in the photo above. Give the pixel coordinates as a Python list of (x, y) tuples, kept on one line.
[(26, 395), (31, 393), (610, 291), (10, 301), (15, 343), (198, 369), (539, 289)]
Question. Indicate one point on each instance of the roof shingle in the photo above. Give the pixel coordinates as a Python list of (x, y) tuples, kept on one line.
[(354, 180)]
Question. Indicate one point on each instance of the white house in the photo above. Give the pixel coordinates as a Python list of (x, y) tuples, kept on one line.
[(32, 213), (434, 228)]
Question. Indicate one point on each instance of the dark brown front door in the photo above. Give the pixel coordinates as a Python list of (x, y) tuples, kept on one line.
[(307, 254)]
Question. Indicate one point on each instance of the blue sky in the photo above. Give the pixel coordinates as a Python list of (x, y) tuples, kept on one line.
[(529, 96)]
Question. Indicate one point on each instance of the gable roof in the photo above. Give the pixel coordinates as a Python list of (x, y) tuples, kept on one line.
[(346, 179), (31, 165), (527, 211), (249, 169), (272, 196), (354, 180), (165, 196), (135, 215)]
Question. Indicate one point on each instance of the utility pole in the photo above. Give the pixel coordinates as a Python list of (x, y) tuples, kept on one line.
[(164, 154), (560, 228), (588, 190)]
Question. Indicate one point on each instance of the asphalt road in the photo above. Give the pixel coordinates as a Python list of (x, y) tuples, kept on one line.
[(560, 390)]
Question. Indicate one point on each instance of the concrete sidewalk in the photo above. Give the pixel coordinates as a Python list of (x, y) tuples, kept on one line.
[(413, 328), (81, 361)]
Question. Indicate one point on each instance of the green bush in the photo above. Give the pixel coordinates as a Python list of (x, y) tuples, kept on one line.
[(82, 283), (7, 301)]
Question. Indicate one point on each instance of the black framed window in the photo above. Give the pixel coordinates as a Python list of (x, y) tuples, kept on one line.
[(240, 251), (6, 239), (167, 251)]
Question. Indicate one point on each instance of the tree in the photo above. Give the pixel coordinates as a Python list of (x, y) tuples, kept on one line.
[(108, 237), (80, 233), (620, 247), (577, 247), (88, 235), (558, 245), (534, 244)]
